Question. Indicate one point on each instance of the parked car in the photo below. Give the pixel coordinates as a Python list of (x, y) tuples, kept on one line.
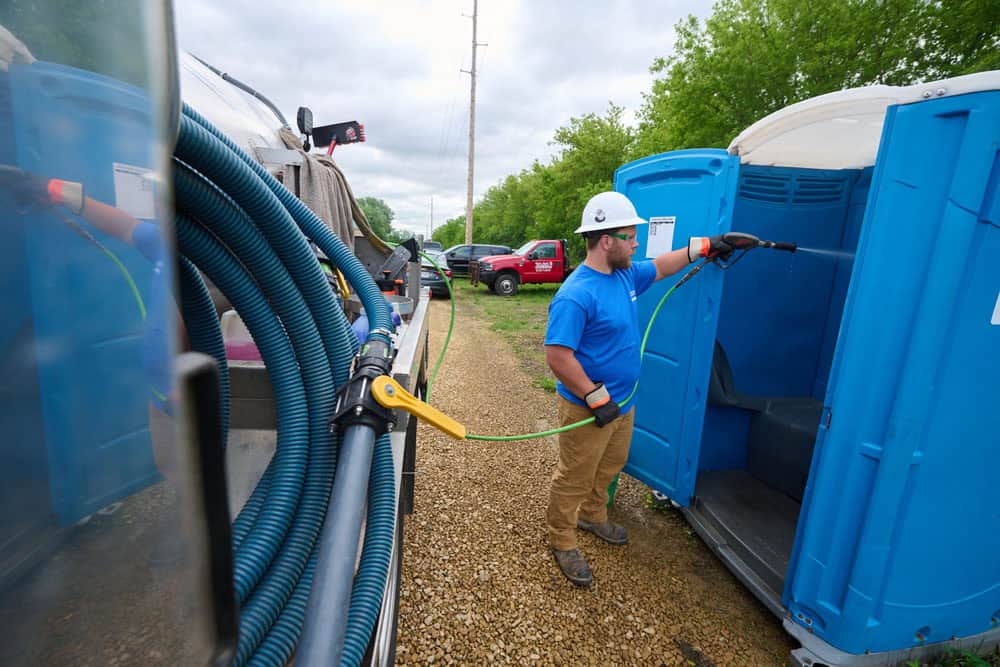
[(429, 276), (459, 256), (543, 261), (432, 245)]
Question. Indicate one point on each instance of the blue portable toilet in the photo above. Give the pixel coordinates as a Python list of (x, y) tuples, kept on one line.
[(77, 297), (829, 420)]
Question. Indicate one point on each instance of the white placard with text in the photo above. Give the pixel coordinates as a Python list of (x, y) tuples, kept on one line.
[(661, 235), (133, 191)]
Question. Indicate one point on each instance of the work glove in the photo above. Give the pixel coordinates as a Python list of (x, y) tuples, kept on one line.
[(30, 188), (741, 241), (708, 246), (599, 401)]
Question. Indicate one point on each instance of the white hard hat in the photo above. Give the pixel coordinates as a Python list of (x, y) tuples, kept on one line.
[(608, 210)]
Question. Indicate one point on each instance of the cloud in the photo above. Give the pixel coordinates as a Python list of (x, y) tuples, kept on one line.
[(394, 67)]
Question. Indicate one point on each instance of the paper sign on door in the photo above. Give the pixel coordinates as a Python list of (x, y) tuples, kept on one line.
[(661, 235), (133, 191)]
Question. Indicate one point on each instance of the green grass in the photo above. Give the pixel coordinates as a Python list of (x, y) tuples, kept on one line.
[(520, 319), (961, 659), (546, 383)]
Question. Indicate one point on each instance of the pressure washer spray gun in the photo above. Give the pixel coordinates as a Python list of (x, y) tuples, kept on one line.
[(719, 249)]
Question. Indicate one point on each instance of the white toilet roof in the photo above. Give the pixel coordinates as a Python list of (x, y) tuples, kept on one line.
[(840, 130)]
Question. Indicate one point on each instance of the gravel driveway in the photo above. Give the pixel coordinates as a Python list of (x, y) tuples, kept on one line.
[(479, 584)]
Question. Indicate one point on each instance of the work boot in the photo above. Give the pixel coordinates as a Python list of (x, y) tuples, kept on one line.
[(611, 533), (574, 566)]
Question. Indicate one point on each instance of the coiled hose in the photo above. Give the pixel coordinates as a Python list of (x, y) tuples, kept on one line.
[(245, 231), (203, 332)]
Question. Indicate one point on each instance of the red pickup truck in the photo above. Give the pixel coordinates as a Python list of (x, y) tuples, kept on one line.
[(544, 261)]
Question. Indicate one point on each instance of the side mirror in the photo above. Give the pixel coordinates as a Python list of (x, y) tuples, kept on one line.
[(532, 255), (305, 120)]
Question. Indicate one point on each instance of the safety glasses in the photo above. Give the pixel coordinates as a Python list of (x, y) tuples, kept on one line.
[(622, 236)]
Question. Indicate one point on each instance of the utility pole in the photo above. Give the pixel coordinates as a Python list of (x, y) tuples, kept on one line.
[(430, 226), (472, 126)]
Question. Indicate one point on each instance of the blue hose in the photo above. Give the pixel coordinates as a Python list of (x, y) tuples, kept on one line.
[(243, 239), (284, 282), (277, 583), (199, 148), (366, 598), (313, 227), (202, 326), (250, 238), (260, 547)]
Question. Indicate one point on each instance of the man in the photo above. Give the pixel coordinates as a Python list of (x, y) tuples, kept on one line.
[(592, 346)]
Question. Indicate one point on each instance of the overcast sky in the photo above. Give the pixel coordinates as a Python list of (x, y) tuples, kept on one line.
[(395, 67)]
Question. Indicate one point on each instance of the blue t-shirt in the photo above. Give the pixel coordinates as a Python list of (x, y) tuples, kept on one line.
[(594, 314)]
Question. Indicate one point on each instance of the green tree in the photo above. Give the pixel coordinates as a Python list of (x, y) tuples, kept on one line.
[(753, 57), (592, 147), (380, 217), (450, 233), (963, 36), (102, 36), (545, 201)]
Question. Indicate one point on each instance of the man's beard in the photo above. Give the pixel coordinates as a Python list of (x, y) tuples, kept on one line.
[(620, 262)]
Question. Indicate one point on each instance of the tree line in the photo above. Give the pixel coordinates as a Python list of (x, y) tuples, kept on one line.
[(748, 59)]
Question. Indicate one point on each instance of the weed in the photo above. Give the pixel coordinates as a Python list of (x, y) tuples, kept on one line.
[(546, 383), (652, 503), (507, 325), (963, 658)]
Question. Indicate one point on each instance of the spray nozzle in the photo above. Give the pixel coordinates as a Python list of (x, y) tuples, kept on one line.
[(741, 241), (790, 247)]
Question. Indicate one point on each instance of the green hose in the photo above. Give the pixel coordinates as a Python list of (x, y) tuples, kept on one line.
[(588, 420), (114, 258), (451, 324)]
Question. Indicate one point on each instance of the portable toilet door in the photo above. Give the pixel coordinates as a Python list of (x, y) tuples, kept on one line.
[(898, 546), (87, 289), (684, 193)]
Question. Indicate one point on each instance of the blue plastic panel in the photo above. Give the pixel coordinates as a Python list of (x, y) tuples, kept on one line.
[(696, 187), (842, 278), (781, 312), (775, 305), (899, 536), (87, 324), (24, 481)]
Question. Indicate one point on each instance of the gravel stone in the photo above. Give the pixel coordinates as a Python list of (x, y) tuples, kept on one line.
[(480, 586)]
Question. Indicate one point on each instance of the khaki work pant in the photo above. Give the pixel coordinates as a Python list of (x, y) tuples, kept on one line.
[(589, 458)]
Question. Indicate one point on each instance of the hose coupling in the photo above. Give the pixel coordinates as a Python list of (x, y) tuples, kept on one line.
[(355, 403), (379, 331)]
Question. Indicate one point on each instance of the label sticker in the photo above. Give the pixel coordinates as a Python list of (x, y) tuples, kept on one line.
[(996, 312), (543, 266), (133, 192), (661, 235)]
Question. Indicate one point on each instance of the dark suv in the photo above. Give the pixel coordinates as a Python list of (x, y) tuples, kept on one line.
[(458, 256)]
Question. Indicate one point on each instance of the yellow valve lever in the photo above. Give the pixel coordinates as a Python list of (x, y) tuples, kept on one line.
[(342, 283), (390, 394)]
